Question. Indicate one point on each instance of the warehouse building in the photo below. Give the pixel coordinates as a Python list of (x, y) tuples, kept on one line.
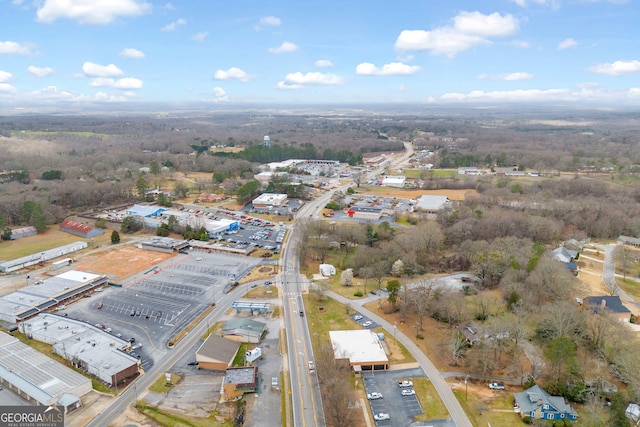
[(38, 378), (88, 348), (79, 229)]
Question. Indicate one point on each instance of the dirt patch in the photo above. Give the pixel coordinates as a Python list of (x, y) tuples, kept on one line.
[(265, 272), (414, 194), (121, 262)]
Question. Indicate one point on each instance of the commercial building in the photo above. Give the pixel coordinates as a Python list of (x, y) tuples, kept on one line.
[(393, 181), (40, 258), (217, 353), (48, 294), (239, 381), (88, 348), (38, 378), (432, 204), (269, 200), (361, 349), (244, 330)]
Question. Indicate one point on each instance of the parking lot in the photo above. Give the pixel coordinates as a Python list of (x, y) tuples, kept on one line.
[(363, 321), (161, 301), (401, 409)]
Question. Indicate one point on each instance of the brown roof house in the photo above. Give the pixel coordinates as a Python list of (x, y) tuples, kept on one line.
[(216, 353), (609, 305)]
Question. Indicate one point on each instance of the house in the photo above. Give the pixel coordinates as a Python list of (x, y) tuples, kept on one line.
[(216, 353), (609, 305), (565, 255), (474, 332), (628, 240), (538, 404)]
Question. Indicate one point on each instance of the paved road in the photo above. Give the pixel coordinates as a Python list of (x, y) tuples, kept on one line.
[(608, 275), (169, 358), (442, 387)]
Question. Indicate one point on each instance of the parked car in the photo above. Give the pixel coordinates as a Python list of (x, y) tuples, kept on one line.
[(312, 365), (408, 392), (381, 416), (404, 384), (357, 317), (496, 386), (374, 395), (367, 323)]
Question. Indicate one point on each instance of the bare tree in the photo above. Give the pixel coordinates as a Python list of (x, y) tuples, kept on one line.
[(457, 346)]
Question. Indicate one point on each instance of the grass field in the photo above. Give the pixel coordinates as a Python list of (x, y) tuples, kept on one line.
[(52, 238)]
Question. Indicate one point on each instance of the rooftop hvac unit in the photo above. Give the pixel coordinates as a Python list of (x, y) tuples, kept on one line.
[(106, 366)]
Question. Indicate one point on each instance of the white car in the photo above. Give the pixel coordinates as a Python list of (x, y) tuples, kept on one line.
[(367, 323), (496, 386), (408, 392), (404, 384), (381, 416), (374, 396), (357, 317)]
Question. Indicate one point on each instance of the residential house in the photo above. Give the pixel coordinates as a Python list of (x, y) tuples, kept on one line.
[(609, 305), (628, 240), (538, 404), (633, 413)]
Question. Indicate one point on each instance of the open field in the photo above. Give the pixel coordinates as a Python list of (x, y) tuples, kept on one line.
[(121, 262), (52, 238), (413, 194)]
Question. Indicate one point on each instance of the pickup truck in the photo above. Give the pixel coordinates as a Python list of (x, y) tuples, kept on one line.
[(496, 386), (403, 384)]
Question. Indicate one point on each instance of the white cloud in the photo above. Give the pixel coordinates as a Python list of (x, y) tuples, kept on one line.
[(219, 95), (510, 77), (90, 12), (299, 80), (7, 88), (617, 68), (232, 73), (525, 3), (14, 48), (124, 83), (5, 76), (468, 29), (132, 53), (391, 69), (109, 97), (566, 44), (323, 63), (172, 26), (634, 92), (40, 71), (169, 6), (268, 21), (201, 36), (285, 47), (96, 70), (128, 83), (522, 95), (52, 93)]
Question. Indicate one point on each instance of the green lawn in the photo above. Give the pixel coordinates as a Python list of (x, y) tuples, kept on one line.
[(432, 405)]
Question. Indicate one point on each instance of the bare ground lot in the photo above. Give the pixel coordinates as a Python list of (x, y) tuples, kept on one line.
[(120, 262)]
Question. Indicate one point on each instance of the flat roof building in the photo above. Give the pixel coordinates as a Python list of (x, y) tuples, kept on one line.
[(362, 349), (432, 203), (267, 200), (38, 378), (238, 381), (87, 347)]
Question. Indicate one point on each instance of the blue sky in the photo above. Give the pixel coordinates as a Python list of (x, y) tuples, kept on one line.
[(61, 53)]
